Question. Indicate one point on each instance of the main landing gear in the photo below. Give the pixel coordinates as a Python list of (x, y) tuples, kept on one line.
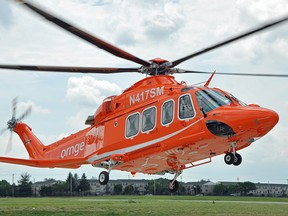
[(233, 157), (104, 175), (174, 185)]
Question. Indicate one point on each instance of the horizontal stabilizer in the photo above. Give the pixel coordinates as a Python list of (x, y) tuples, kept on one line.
[(53, 163)]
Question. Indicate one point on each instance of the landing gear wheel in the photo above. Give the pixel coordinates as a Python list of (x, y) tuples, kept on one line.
[(229, 158), (173, 186), (237, 160), (103, 178)]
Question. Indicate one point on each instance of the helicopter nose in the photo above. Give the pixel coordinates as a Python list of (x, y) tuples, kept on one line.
[(265, 120), (254, 121)]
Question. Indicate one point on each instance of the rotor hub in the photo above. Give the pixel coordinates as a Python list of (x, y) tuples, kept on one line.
[(157, 66), (12, 123)]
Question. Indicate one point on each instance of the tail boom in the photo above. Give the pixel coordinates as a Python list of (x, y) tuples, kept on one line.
[(66, 153), (62, 163)]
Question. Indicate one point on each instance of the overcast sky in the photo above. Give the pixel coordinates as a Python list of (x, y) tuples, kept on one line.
[(148, 29)]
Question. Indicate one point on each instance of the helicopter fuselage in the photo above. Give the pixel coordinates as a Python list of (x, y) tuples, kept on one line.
[(156, 126)]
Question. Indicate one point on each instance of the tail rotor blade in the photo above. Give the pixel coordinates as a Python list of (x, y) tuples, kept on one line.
[(9, 146), (14, 107), (25, 114), (12, 123), (3, 130)]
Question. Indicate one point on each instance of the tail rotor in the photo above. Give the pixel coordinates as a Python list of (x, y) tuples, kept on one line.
[(11, 124)]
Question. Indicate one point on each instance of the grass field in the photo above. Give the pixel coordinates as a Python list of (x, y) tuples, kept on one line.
[(144, 205)]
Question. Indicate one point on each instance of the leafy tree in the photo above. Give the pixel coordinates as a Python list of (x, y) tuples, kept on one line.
[(46, 191), (76, 180), (118, 189), (5, 188), (25, 186), (198, 189), (71, 183), (246, 187), (233, 189), (128, 190), (220, 190), (59, 189), (181, 190), (83, 184), (159, 186)]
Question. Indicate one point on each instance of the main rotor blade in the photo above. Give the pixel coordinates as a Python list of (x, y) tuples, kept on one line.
[(69, 69), (208, 49), (86, 36), (234, 74)]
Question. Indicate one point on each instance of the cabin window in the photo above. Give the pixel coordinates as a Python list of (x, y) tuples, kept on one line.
[(167, 112), (148, 119), (186, 109), (132, 125)]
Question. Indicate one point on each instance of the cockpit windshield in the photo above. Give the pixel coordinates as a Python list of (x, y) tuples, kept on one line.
[(209, 99), (237, 100)]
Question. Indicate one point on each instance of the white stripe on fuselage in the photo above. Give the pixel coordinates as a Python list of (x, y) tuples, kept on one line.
[(139, 146)]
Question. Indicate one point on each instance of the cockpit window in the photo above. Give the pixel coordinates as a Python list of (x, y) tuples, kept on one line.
[(186, 109), (210, 99), (236, 99)]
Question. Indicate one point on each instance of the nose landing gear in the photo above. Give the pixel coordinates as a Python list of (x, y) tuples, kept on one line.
[(232, 157)]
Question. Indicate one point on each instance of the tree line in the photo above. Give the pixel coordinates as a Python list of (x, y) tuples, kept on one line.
[(80, 186), (241, 188), (73, 185)]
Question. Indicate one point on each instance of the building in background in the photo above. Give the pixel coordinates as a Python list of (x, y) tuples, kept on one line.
[(139, 187)]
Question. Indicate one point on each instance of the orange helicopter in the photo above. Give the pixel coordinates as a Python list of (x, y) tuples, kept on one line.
[(156, 126)]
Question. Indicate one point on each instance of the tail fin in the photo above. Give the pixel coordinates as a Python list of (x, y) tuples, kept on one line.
[(33, 145)]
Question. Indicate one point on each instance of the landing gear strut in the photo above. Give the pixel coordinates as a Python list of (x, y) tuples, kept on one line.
[(104, 175), (232, 157), (174, 185)]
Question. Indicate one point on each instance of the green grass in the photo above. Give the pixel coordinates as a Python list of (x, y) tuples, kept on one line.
[(144, 205)]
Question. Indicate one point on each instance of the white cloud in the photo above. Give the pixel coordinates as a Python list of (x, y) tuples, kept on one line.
[(77, 121), (23, 106), (87, 90)]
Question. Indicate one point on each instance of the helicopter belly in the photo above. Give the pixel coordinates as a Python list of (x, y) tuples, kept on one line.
[(178, 158)]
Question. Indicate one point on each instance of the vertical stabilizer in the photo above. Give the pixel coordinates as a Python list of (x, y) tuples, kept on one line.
[(33, 145)]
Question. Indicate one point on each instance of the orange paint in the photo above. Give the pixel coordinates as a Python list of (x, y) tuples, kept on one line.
[(165, 147)]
